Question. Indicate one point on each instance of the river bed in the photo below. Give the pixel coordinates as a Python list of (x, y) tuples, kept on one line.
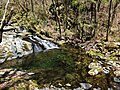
[(64, 68)]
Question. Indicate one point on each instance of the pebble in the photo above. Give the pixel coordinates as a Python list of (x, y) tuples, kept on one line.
[(31, 73), (68, 85)]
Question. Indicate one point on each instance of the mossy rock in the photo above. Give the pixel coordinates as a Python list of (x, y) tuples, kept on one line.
[(111, 46), (100, 44), (96, 54), (117, 54)]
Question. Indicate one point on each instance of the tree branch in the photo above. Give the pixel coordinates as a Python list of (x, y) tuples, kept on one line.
[(5, 30), (5, 22), (3, 19)]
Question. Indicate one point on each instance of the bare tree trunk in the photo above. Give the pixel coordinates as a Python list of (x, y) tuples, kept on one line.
[(91, 8), (3, 21), (82, 31), (43, 2), (114, 11), (98, 5), (65, 17), (95, 21), (0, 3), (58, 19), (66, 4), (32, 7), (109, 16)]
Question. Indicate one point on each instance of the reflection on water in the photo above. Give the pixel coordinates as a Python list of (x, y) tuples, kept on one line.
[(67, 67)]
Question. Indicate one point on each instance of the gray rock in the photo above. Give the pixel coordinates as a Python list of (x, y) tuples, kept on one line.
[(85, 85), (117, 79)]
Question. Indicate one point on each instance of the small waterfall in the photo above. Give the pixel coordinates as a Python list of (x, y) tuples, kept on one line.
[(37, 48), (47, 44), (14, 46), (40, 44)]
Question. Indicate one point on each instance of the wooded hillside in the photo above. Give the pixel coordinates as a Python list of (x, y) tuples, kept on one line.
[(67, 19)]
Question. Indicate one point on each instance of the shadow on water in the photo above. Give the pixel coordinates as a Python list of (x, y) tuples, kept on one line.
[(59, 67)]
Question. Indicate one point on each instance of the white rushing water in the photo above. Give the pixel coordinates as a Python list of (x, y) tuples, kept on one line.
[(13, 45)]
